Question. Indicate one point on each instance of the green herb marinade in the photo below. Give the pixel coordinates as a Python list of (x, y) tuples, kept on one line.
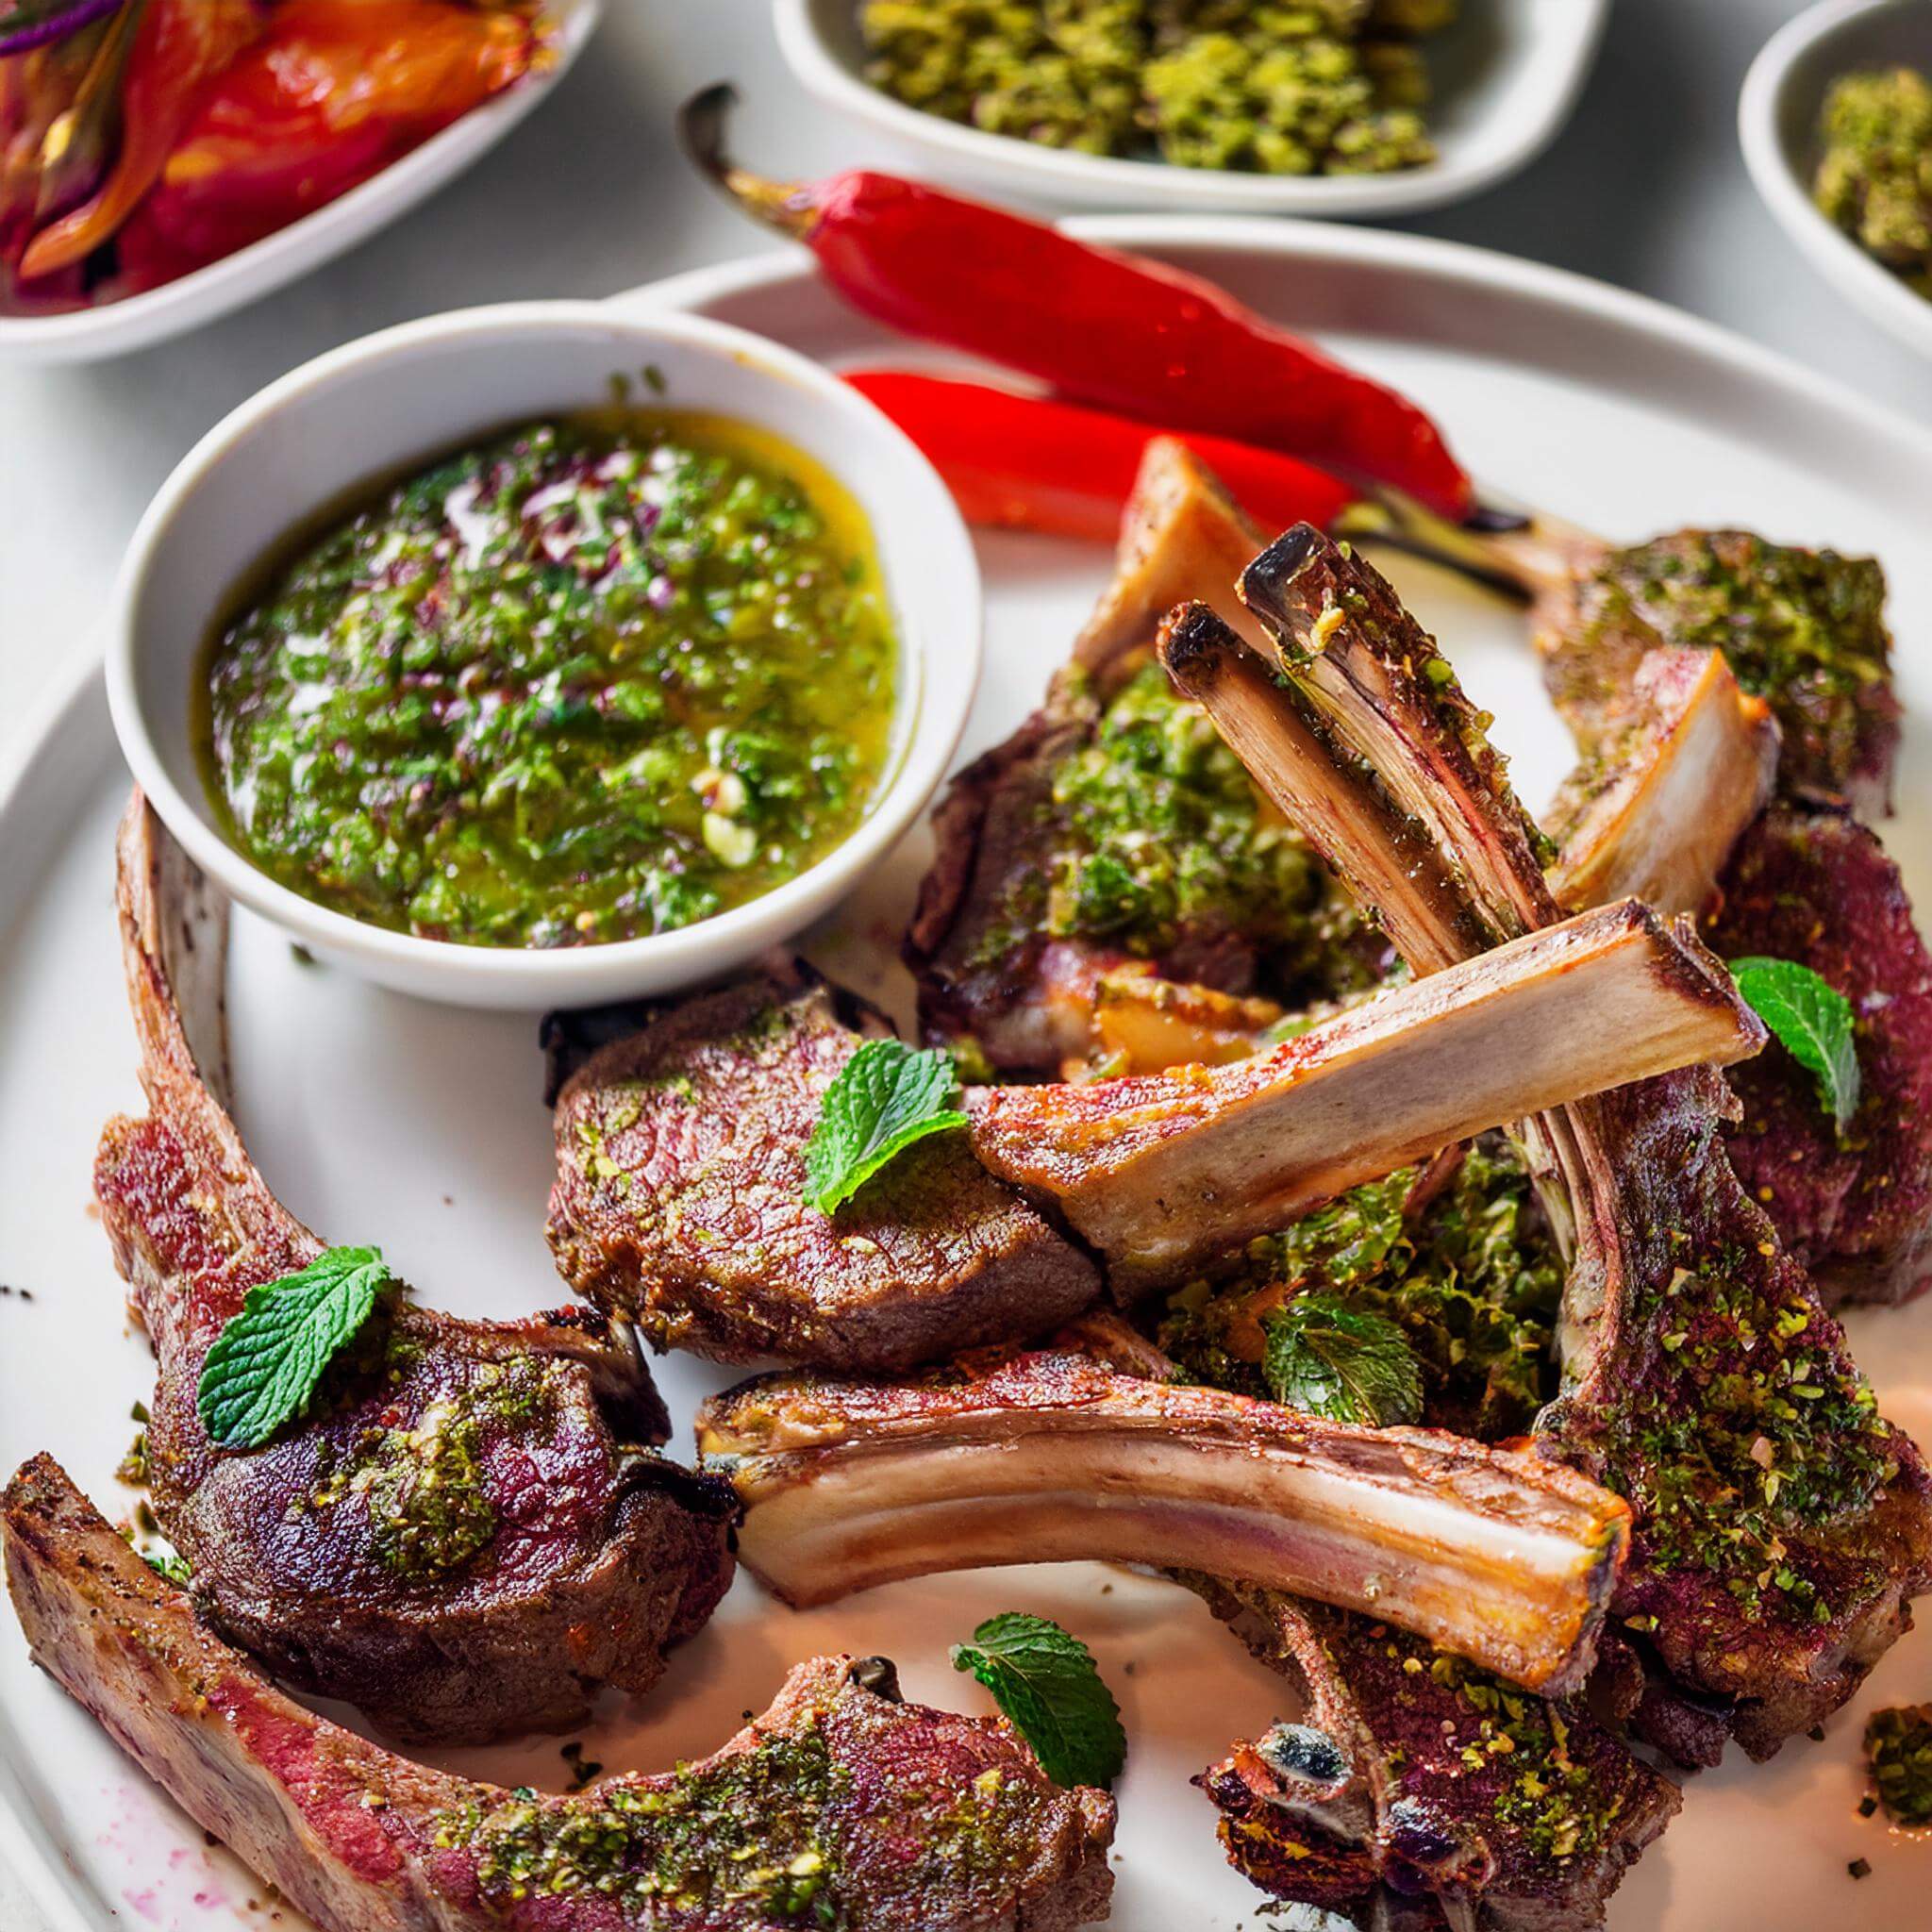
[(595, 679), (1471, 1279), (1159, 839)]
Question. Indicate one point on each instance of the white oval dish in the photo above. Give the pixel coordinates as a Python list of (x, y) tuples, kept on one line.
[(410, 393), (1777, 124), (88, 334), (1509, 75)]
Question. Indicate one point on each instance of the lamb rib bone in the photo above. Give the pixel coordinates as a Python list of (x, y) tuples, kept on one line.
[(1781, 1525), (1162, 1171), (840, 1805), (1050, 1456), (552, 1553)]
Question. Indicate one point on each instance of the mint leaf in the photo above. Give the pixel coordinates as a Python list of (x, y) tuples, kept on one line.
[(1046, 1682), (886, 1097), (167, 1564), (267, 1359), (1344, 1363), (1812, 1020)]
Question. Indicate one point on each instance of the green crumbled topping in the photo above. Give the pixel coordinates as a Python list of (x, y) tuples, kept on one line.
[(1472, 1282), (1561, 1807), (1898, 1747), (1161, 835), (1277, 87), (1748, 1429), (426, 1483), (739, 1831), (747, 1836), (1874, 178), (1803, 629)]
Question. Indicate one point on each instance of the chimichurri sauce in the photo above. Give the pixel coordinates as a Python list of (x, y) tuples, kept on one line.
[(596, 679)]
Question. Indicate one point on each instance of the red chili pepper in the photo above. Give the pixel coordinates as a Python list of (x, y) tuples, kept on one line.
[(1099, 326), (331, 94), (1032, 463), (180, 46)]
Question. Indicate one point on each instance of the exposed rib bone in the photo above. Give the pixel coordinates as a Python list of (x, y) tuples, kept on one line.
[(1161, 1171), (838, 1806), (1182, 536), (1050, 1457), (1656, 816)]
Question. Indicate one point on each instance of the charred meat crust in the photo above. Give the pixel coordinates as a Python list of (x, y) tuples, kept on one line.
[(839, 1800), (679, 1200), (466, 1533)]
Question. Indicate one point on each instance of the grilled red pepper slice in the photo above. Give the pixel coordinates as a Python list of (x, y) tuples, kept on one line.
[(179, 48), (1033, 463), (331, 94), (1098, 325)]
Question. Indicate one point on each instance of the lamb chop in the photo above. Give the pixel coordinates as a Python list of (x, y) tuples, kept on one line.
[(1782, 1526), (680, 1198), (840, 1806), (1048, 1455), (466, 1534), (1113, 839), (1804, 630)]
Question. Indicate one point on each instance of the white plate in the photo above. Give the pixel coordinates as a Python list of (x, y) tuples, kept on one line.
[(87, 335), (1778, 123), (384, 1120), (1507, 73)]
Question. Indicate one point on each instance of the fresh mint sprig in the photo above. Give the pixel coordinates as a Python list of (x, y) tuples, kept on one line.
[(267, 1359), (1045, 1681), (1812, 1020), (1344, 1363), (886, 1097)]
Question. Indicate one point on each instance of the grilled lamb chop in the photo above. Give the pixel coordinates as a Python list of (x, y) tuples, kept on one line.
[(1049, 1456), (1055, 851), (679, 1196), (1804, 630), (1782, 1526), (679, 1199), (840, 1806), (464, 1535)]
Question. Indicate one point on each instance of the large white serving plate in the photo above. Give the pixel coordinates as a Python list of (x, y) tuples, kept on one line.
[(113, 328), (382, 1120)]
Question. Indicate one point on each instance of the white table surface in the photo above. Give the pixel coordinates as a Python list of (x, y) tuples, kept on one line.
[(1644, 187)]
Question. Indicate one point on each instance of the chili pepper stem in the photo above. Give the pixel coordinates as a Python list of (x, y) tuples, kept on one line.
[(784, 205), (1520, 555)]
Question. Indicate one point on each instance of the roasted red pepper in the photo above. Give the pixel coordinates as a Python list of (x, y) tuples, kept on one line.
[(179, 48), (332, 92), (1098, 325), (1032, 463)]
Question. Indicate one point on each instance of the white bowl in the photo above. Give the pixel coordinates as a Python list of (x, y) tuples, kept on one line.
[(1778, 123), (407, 395), (86, 334), (1507, 74)]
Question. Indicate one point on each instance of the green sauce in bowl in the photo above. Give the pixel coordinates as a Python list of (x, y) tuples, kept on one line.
[(591, 680)]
